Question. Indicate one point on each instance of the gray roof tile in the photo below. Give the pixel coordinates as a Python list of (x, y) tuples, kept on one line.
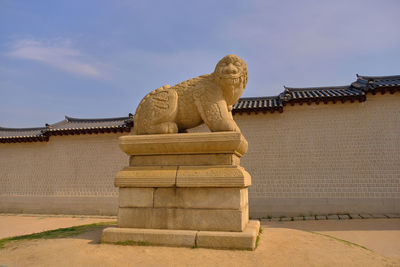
[(374, 83), (67, 126)]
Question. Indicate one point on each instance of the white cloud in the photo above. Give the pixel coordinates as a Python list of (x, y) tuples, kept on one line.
[(58, 54)]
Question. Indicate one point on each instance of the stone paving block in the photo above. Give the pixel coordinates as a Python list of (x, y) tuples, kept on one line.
[(355, 216), (343, 217), (321, 217), (333, 217), (390, 215), (365, 216), (378, 216)]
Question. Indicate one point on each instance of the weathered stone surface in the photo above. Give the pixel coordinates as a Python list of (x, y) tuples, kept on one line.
[(184, 176), (201, 198), (245, 240), (184, 160), (366, 216), (332, 217), (391, 215), (186, 143), (184, 219), (230, 240), (184, 182), (212, 176), (355, 216), (208, 98), (378, 216), (160, 176), (179, 238), (135, 197), (343, 217)]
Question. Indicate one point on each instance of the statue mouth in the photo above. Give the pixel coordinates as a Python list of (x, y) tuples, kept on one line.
[(231, 79), (230, 76)]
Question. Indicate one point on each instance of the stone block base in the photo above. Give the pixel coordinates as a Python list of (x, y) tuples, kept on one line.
[(245, 240), (184, 219)]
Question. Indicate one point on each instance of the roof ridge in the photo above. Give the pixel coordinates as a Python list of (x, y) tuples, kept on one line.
[(364, 77), (258, 97), (22, 129), (70, 119), (316, 88)]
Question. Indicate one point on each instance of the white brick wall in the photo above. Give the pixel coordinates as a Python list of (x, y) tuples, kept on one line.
[(322, 153), (49, 177), (333, 158)]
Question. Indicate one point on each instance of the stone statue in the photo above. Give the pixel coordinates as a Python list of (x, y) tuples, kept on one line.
[(208, 98)]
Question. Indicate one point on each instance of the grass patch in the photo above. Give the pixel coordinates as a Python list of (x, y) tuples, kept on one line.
[(57, 233), (258, 236), (341, 240)]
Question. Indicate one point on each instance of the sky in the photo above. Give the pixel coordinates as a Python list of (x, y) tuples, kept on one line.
[(99, 58)]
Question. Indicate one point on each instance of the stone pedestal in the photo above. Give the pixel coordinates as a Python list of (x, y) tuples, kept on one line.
[(184, 190)]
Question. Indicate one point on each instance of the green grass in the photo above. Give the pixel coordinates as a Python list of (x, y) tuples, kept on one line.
[(58, 233), (259, 236)]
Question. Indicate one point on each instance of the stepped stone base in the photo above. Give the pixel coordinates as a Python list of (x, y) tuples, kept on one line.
[(184, 190), (245, 240)]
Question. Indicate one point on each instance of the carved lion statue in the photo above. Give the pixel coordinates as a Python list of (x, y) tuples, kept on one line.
[(205, 99)]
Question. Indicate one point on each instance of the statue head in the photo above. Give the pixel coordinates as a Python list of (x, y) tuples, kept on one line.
[(231, 75)]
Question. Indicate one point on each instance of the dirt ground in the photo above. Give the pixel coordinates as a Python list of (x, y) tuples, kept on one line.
[(278, 246), (379, 235)]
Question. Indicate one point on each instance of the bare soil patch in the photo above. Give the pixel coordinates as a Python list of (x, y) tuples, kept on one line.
[(277, 247)]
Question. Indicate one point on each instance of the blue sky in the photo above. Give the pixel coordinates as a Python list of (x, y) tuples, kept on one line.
[(92, 59)]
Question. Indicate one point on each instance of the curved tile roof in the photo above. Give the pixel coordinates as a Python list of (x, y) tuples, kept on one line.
[(316, 94), (68, 126), (377, 83), (70, 123), (263, 104), (355, 91)]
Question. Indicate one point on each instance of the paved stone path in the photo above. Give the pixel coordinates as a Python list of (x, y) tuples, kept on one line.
[(334, 217)]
